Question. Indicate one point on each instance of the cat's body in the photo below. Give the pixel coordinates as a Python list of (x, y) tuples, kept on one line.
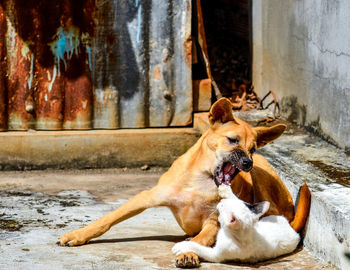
[(242, 236)]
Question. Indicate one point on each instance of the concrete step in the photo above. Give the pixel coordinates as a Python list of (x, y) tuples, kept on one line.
[(94, 148), (300, 157)]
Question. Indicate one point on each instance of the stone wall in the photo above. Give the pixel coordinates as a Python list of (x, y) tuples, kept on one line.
[(301, 50)]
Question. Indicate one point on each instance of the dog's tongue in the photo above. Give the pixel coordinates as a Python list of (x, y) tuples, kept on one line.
[(229, 168)]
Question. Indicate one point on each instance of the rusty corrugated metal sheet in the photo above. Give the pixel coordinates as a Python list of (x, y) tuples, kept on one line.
[(19, 74), (95, 64), (3, 90)]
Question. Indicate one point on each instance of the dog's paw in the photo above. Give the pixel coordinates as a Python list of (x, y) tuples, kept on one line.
[(187, 260), (225, 191), (181, 247), (74, 238)]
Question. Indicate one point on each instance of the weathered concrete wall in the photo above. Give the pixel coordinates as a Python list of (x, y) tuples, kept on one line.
[(301, 50)]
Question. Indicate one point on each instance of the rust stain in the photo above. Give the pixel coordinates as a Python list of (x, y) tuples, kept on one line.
[(49, 92), (78, 86), (19, 59), (106, 109), (49, 97), (157, 74), (53, 34), (78, 103), (188, 52), (3, 90), (18, 88)]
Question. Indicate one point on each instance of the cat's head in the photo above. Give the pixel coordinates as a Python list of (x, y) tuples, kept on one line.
[(236, 214)]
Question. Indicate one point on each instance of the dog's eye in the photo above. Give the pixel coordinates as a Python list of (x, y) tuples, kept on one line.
[(232, 140), (252, 151)]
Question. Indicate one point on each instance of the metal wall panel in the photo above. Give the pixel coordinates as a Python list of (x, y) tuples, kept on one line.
[(95, 64), (3, 68)]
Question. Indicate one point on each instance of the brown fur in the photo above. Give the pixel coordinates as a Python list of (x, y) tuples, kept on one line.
[(188, 189)]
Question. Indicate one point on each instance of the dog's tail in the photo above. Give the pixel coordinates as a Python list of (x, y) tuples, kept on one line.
[(303, 209)]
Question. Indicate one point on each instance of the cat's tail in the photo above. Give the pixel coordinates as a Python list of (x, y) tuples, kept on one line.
[(303, 209)]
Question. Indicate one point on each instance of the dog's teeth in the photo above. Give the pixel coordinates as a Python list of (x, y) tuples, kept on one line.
[(227, 178)]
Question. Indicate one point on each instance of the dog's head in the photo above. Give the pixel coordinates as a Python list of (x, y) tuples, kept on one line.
[(235, 214), (234, 141)]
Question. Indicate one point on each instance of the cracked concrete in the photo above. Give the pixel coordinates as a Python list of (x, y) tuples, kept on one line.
[(43, 205)]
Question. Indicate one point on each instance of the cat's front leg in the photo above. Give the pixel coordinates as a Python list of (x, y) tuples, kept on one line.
[(225, 191), (206, 237), (182, 247), (207, 253)]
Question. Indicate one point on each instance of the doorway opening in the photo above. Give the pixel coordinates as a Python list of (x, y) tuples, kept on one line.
[(227, 26)]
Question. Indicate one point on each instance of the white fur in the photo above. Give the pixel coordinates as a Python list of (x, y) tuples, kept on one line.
[(248, 239)]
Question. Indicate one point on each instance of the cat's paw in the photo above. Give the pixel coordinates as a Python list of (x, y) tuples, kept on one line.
[(187, 260), (225, 191), (181, 247)]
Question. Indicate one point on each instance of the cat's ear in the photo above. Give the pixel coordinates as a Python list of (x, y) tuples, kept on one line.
[(259, 209)]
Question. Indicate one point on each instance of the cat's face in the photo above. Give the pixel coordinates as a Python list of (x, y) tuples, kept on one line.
[(236, 214)]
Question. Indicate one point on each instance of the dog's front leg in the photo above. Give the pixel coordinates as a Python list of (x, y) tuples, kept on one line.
[(140, 202), (206, 237)]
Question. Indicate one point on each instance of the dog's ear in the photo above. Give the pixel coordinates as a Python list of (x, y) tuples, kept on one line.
[(259, 209), (268, 134), (221, 112)]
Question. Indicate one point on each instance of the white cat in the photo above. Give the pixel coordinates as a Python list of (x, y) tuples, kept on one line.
[(242, 236)]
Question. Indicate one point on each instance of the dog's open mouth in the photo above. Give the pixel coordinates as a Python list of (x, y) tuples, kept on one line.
[(225, 173)]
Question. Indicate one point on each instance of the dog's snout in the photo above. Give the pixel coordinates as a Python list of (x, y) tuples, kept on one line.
[(247, 164)]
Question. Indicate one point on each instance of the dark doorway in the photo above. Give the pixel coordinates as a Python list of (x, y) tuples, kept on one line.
[(227, 25)]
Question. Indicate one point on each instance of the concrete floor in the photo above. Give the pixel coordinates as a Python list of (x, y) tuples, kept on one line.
[(37, 207)]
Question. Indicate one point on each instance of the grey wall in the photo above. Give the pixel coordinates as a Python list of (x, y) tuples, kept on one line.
[(301, 50)]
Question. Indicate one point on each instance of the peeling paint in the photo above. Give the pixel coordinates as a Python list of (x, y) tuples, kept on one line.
[(157, 73), (139, 12), (86, 41), (26, 53), (53, 77), (66, 44), (31, 72), (84, 104), (188, 51), (25, 50)]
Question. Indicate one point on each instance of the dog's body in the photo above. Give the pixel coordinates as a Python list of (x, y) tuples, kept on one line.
[(223, 153), (242, 236)]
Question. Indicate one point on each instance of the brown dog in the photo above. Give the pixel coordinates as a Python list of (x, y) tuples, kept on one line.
[(223, 155)]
